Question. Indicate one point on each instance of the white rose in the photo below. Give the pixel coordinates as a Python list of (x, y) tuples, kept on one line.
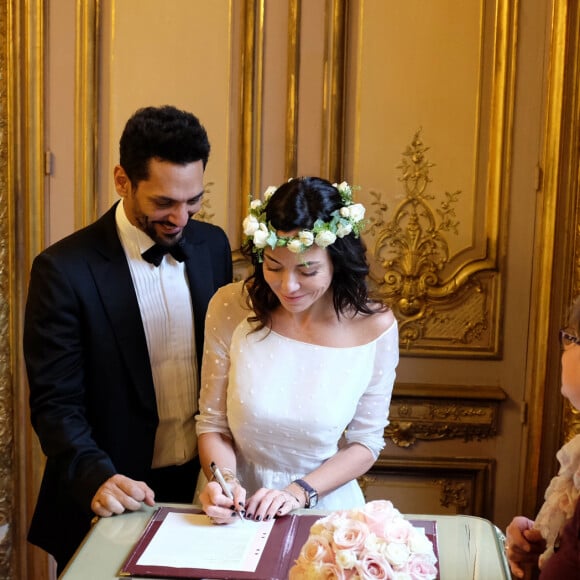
[(346, 558), (261, 236), (306, 238), (250, 225), (269, 192), (255, 203), (325, 238), (357, 211), (419, 543), (295, 246), (343, 230), (397, 554)]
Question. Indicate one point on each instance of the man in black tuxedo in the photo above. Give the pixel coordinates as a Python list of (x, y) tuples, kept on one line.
[(113, 342)]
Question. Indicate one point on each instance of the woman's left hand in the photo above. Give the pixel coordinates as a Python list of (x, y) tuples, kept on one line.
[(266, 504)]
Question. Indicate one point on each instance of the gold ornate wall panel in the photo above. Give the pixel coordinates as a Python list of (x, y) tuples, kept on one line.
[(86, 108), (433, 485), (7, 506), (434, 166), (412, 251), (438, 412)]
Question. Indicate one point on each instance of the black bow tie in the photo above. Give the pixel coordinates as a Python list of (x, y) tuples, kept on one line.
[(154, 255)]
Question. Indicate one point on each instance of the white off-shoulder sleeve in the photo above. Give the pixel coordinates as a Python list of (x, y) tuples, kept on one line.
[(372, 413), (225, 311)]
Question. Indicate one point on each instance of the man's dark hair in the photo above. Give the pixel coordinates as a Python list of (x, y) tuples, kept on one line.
[(165, 133), (296, 205)]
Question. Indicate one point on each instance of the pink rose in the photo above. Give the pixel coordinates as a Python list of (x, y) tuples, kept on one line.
[(316, 549), (398, 530), (350, 534), (378, 514), (421, 567), (374, 567)]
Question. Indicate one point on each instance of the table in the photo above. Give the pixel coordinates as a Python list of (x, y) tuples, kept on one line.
[(470, 548)]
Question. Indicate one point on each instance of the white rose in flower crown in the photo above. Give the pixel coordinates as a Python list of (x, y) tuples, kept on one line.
[(325, 238), (355, 212), (255, 203), (269, 192), (343, 230), (306, 237), (295, 246), (261, 236), (250, 225)]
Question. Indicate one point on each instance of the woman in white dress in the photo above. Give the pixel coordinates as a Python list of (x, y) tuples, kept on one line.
[(299, 362)]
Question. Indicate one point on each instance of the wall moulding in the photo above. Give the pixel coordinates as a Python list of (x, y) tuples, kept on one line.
[(436, 412), (438, 236), (457, 485)]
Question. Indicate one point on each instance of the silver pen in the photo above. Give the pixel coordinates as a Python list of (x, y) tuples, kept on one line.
[(223, 484)]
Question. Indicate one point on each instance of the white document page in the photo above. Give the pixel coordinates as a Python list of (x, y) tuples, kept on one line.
[(193, 541)]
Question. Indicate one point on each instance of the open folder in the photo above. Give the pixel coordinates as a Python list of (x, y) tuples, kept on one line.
[(184, 543)]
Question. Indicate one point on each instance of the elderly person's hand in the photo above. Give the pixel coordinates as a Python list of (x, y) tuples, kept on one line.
[(120, 493), (523, 545), (218, 506)]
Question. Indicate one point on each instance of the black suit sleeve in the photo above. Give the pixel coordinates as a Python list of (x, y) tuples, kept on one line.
[(54, 355)]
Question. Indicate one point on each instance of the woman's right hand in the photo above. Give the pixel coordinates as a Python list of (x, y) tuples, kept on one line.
[(218, 506), (523, 545)]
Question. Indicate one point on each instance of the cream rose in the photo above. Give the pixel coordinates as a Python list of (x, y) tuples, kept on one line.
[(250, 225), (343, 230), (269, 192), (355, 212), (295, 246), (325, 238), (397, 554), (255, 203), (261, 236), (306, 238)]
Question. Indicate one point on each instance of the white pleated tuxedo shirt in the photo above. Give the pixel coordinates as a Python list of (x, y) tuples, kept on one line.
[(167, 313)]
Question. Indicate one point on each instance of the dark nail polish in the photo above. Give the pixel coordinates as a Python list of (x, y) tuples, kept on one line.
[(258, 518), (234, 514), (249, 516), (266, 518), (241, 503), (232, 507)]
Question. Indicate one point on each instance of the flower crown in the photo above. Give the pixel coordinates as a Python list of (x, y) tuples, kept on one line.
[(349, 219)]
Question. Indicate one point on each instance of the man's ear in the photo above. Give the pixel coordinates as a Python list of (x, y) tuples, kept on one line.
[(122, 181)]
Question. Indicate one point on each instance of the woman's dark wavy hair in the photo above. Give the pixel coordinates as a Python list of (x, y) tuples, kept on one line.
[(296, 205)]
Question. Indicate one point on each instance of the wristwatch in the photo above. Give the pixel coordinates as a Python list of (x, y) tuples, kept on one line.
[(311, 493)]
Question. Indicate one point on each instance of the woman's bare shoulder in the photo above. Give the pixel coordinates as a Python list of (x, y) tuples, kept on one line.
[(369, 327)]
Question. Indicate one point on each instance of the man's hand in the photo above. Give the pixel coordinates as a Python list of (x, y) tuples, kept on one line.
[(120, 493), (523, 545)]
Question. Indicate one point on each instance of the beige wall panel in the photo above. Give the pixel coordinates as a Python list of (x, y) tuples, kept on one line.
[(274, 103), (311, 93), (421, 67), (179, 53)]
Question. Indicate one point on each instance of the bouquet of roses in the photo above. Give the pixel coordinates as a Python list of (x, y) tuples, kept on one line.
[(373, 542)]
